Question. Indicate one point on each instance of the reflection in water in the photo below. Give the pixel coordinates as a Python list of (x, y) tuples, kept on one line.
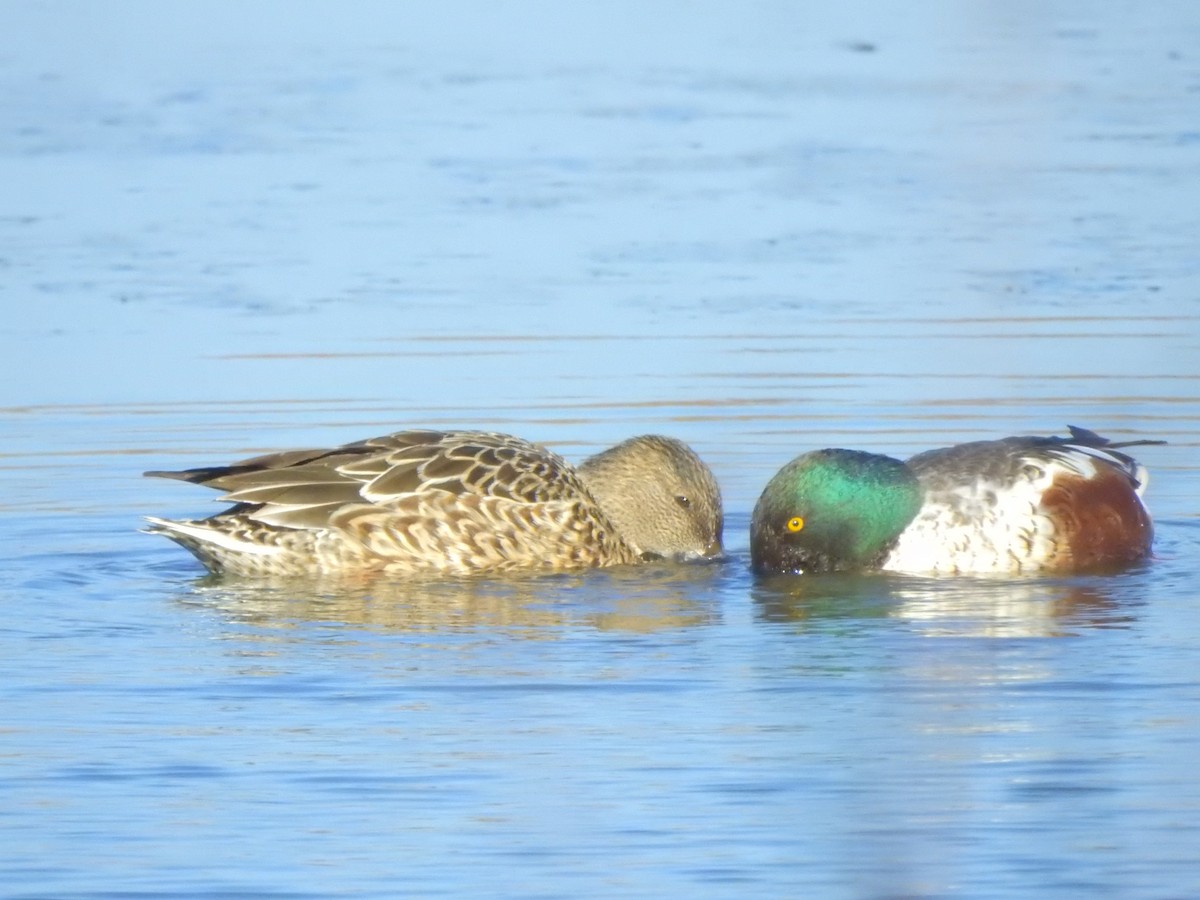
[(955, 607), (641, 599)]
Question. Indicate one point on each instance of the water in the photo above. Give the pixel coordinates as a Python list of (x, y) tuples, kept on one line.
[(764, 230)]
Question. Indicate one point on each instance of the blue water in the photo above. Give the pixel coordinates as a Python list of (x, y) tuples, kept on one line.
[(764, 229)]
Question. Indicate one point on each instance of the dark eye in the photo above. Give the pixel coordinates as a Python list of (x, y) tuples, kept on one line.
[(683, 501)]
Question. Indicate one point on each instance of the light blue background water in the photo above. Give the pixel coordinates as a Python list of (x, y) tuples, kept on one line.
[(764, 228)]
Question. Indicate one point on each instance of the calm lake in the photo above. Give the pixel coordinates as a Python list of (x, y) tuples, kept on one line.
[(763, 228)]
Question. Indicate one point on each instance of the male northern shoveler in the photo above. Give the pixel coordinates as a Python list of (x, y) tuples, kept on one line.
[(1021, 504), (455, 502)]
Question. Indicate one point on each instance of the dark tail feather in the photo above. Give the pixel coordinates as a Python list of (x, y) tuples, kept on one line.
[(1086, 438), (197, 476)]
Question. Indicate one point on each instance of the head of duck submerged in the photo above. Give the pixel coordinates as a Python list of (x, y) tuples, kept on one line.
[(458, 502), (832, 510), (660, 496), (1014, 505)]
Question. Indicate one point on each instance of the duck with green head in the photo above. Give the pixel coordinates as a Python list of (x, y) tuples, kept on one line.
[(1020, 504)]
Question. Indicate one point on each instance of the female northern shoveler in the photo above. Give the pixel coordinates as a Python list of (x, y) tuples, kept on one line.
[(454, 502), (1021, 504)]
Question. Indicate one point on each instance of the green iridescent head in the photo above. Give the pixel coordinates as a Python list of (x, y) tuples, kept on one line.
[(832, 511)]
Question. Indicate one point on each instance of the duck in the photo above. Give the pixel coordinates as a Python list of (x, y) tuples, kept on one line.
[(1032, 504), (453, 502)]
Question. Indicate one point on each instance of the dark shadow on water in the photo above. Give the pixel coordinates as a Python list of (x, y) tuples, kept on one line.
[(634, 600), (954, 606)]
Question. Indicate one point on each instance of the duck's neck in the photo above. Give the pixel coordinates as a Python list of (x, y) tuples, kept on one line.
[(608, 479)]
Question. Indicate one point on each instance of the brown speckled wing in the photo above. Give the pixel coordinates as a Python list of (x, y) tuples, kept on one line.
[(305, 488), (468, 462), (439, 532)]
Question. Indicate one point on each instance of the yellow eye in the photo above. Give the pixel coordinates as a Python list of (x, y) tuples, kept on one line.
[(795, 523)]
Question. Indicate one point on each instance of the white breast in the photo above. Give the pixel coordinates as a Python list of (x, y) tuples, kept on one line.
[(983, 526)]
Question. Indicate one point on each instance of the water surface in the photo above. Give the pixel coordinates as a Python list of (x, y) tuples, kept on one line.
[(763, 231)]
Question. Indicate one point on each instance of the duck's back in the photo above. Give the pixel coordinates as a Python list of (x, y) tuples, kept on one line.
[(1026, 504), (415, 501)]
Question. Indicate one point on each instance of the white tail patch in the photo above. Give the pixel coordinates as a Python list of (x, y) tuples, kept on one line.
[(1078, 461), (213, 537), (1134, 470)]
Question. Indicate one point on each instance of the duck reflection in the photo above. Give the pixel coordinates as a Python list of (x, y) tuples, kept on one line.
[(959, 607), (648, 599)]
